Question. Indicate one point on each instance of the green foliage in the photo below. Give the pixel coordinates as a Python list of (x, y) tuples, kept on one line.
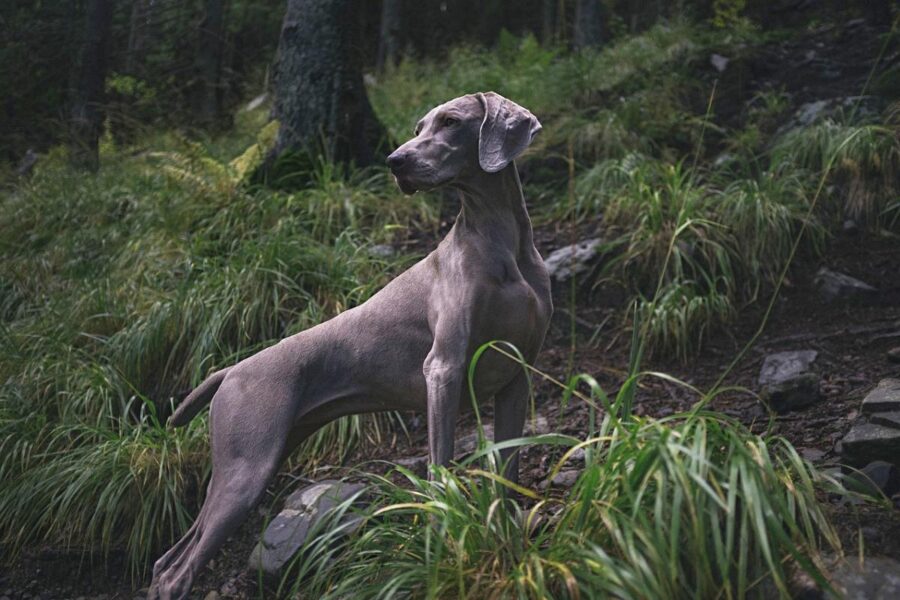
[(860, 163), (727, 12), (549, 82), (685, 507), (122, 290)]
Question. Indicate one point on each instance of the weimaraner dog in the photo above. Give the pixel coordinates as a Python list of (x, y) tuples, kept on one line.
[(406, 348)]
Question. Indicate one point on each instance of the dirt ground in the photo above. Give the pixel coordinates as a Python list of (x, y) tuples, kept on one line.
[(852, 341)]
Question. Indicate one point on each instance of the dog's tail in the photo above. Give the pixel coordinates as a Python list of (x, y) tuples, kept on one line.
[(197, 399)]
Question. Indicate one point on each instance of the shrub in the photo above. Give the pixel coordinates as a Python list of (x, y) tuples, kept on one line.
[(685, 507)]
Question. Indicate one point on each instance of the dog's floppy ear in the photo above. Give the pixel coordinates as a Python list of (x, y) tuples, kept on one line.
[(506, 131)]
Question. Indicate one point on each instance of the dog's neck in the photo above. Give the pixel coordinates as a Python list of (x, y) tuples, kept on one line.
[(493, 207)]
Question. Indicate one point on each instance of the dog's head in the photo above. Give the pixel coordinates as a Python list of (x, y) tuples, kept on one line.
[(483, 131)]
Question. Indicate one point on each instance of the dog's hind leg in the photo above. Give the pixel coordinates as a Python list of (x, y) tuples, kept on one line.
[(246, 454), (510, 408)]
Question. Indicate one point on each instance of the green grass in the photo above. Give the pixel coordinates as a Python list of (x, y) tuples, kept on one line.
[(120, 291), (691, 506)]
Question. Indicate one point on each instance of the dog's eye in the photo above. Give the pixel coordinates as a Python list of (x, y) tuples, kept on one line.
[(450, 122)]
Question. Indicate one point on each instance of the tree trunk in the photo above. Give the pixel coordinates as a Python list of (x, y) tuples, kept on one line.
[(137, 36), (211, 35), (588, 28), (320, 99), (87, 94), (548, 12), (391, 29)]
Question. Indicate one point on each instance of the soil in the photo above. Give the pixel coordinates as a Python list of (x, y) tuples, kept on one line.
[(852, 342)]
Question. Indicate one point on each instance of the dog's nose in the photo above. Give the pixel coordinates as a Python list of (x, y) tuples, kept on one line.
[(396, 160)]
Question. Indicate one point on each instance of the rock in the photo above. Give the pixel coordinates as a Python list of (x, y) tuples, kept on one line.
[(382, 251), (257, 102), (867, 442), (884, 398), (229, 589), (565, 479), (571, 260), (810, 111), (893, 355), (212, 595), (878, 476), (288, 531), (26, 165), (719, 62), (834, 286), (877, 579), (890, 419), (787, 381), (812, 454), (723, 159), (417, 464), (578, 457)]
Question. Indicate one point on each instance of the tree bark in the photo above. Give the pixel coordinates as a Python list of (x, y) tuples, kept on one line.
[(548, 24), (588, 26), (390, 33), (87, 94), (211, 35), (320, 99)]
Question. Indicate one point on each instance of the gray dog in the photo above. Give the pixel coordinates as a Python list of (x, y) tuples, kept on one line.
[(407, 348)]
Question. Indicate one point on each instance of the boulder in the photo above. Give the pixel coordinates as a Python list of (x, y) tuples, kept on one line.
[(867, 442), (289, 530), (787, 380), (893, 355), (878, 476), (884, 398), (570, 260), (878, 578), (719, 62), (839, 287), (888, 419)]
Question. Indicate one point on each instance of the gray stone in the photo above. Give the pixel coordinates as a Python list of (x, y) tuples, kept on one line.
[(810, 111), (850, 227), (289, 530), (893, 355), (570, 260), (787, 380), (867, 442), (563, 479), (878, 476), (212, 595), (877, 579), (812, 454), (566, 479), (257, 102), (382, 251), (719, 62), (888, 419), (834, 286), (884, 398), (417, 464)]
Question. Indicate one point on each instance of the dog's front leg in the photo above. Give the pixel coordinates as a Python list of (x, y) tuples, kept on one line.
[(443, 378)]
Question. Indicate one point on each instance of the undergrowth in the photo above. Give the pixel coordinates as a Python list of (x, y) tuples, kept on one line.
[(121, 291), (689, 506)]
